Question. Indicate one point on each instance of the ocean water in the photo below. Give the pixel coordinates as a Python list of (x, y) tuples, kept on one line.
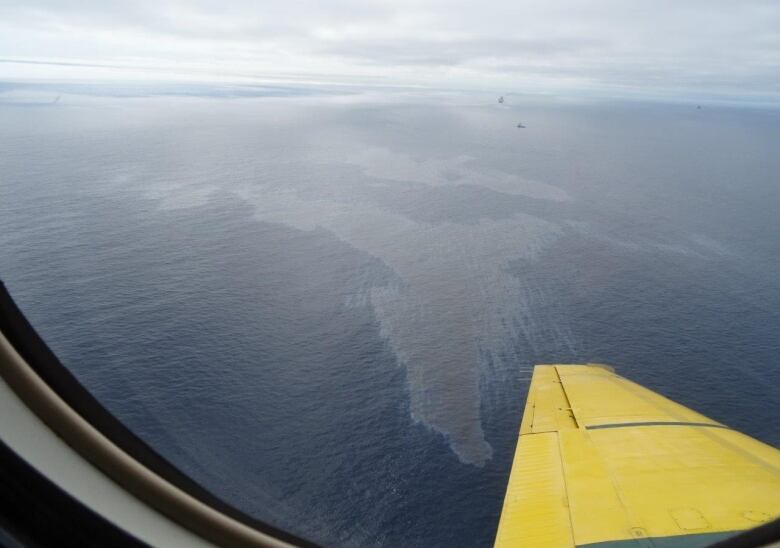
[(325, 307)]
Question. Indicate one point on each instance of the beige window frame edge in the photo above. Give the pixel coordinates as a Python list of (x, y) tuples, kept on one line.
[(119, 466)]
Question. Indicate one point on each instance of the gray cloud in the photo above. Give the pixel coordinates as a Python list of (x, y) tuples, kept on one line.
[(421, 51), (711, 47)]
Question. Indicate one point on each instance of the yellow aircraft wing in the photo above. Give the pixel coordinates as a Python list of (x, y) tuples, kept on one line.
[(605, 463)]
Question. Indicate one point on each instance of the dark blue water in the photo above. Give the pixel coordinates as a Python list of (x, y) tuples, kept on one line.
[(326, 309)]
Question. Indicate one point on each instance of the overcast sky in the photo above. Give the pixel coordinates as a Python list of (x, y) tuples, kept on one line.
[(693, 48)]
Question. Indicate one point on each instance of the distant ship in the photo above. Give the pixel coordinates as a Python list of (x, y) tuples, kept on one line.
[(520, 124), (501, 100)]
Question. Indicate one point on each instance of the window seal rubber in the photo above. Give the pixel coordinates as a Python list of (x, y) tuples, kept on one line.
[(54, 394)]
